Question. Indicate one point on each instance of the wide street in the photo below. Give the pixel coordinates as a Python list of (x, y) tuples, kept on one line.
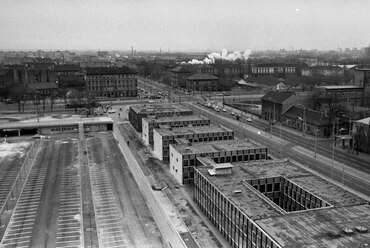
[(293, 139)]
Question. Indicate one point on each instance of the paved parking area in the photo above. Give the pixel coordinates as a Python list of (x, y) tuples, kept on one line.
[(108, 216), (69, 219), (19, 230)]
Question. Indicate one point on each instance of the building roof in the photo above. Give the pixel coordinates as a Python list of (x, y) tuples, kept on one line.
[(108, 70), (180, 69), (339, 87), (67, 67), (202, 77), (216, 146), (43, 86), (275, 65), (54, 123), (277, 96), (180, 131), (306, 228), (175, 118), (312, 116), (158, 108)]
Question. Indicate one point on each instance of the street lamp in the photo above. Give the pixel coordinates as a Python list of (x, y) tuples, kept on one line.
[(303, 121), (270, 116), (349, 130), (332, 158), (317, 133)]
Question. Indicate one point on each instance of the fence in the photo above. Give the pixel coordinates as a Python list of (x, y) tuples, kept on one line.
[(164, 223), (16, 189)]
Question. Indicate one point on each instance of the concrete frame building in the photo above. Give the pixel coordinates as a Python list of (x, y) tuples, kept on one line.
[(149, 123), (279, 204), (163, 137), (184, 157), (138, 112)]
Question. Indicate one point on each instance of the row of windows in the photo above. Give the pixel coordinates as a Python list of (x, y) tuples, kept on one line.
[(239, 153), (238, 229), (111, 76)]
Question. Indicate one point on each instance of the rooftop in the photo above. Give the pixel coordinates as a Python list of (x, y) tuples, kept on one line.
[(181, 69), (277, 96), (158, 108), (179, 131), (175, 118), (202, 76), (52, 123), (216, 146), (305, 228), (311, 116), (109, 70), (338, 87)]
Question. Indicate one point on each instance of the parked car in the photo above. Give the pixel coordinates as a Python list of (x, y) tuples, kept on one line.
[(249, 119), (111, 111)]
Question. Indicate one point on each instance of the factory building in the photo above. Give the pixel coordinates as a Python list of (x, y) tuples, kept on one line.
[(163, 137), (149, 123)]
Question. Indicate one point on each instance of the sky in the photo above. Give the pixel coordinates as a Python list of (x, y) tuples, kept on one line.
[(184, 25)]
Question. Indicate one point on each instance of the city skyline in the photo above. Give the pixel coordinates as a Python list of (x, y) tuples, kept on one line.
[(183, 25)]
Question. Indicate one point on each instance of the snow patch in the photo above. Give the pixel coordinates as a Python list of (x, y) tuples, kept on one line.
[(77, 217), (11, 149)]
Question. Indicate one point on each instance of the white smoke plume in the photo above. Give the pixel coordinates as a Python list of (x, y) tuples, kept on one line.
[(224, 55)]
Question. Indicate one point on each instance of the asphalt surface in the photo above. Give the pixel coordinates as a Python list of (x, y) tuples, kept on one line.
[(123, 218)]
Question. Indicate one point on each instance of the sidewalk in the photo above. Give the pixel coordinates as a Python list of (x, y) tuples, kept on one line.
[(336, 165)]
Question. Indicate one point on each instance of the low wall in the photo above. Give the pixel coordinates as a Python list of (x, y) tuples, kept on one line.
[(169, 232)]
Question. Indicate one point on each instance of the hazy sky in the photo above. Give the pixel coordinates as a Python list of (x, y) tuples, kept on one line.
[(184, 24)]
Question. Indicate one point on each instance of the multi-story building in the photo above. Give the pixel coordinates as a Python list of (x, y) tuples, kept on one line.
[(184, 157), (349, 94), (264, 70), (163, 137), (179, 74), (202, 82), (70, 76), (279, 204), (149, 123), (111, 82), (138, 112), (326, 71)]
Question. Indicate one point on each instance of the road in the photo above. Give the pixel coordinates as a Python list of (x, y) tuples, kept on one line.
[(285, 151)]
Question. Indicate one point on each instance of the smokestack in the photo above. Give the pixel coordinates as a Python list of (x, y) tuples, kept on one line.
[(132, 50)]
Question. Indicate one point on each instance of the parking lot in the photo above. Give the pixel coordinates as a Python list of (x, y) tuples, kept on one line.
[(123, 218), (48, 212)]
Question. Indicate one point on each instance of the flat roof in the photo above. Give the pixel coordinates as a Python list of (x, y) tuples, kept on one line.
[(158, 108), (175, 118), (320, 228), (334, 87), (293, 229), (53, 123), (216, 146), (175, 131)]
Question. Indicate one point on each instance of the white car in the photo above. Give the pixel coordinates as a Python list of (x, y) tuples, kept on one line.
[(150, 101), (249, 119), (224, 110), (112, 111)]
